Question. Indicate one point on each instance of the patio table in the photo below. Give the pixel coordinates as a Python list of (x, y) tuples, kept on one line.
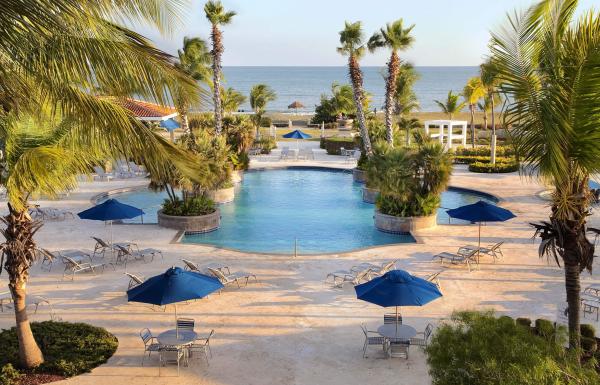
[(173, 338), (397, 332)]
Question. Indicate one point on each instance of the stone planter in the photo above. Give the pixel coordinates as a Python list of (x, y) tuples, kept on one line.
[(370, 195), (195, 224), (237, 176), (403, 225), (223, 195), (359, 176), (344, 124)]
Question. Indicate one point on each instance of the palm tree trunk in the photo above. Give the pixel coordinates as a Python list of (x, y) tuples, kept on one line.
[(390, 90), (19, 254), (217, 51), (356, 80), (472, 108), (493, 138), (573, 287)]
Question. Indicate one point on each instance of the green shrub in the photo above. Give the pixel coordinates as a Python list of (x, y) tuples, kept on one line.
[(334, 145), (477, 348), (199, 205), (497, 168), (266, 121), (524, 322), (589, 344), (266, 144), (501, 151), (507, 319), (69, 348), (544, 328), (470, 159), (9, 375), (588, 330)]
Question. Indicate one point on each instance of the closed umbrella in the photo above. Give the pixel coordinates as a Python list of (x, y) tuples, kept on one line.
[(111, 210), (481, 212), (322, 129), (398, 288)]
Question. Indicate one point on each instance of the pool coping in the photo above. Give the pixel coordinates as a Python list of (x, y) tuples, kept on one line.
[(180, 234)]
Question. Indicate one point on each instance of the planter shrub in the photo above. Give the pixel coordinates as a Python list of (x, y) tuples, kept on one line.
[(266, 144), (334, 145), (498, 168), (589, 345), (193, 206), (524, 322), (544, 328), (588, 330)]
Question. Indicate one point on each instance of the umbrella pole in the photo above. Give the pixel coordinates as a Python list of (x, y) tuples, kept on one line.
[(396, 321), (479, 245)]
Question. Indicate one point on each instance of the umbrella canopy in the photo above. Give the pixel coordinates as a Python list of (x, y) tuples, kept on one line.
[(398, 288), (297, 134), (296, 105), (110, 210), (169, 124), (174, 285), (481, 212)]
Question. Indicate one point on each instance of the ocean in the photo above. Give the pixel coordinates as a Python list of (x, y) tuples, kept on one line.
[(306, 84)]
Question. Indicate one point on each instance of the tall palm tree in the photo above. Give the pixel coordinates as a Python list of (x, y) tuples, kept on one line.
[(215, 13), (397, 38), (549, 68), (352, 45), (405, 99), (451, 105), (489, 80), (260, 96), (54, 125), (473, 92), (194, 60), (231, 99)]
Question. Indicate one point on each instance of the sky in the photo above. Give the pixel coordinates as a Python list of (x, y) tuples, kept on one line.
[(305, 32)]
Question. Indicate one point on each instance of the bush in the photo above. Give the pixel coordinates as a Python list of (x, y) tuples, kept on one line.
[(470, 159), (501, 151), (266, 121), (477, 348), (69, 348), (497, 168), (334, 145), (589, 344), (507, 319), (524, 322), (199, 205), (9, 375), (544, 328), (588, 330), (266, 144)]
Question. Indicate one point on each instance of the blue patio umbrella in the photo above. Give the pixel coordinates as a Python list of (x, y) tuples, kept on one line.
[(398, 288), (172, 286), (169, 124), (481, 212), (297, 134), (110, 210)]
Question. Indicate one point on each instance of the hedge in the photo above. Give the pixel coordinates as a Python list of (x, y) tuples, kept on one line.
[(497, 168), (470, 159), (484, 151), (334, 145)]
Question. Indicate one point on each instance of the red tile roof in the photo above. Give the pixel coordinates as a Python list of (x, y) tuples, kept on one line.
[(143, 109)]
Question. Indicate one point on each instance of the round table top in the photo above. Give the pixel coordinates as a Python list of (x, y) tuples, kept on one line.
[(402, 332), (172, 338)]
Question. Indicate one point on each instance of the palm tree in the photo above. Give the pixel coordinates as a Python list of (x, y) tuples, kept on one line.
[(473, 92), (231, 99), (55, 126), (260, 96), (549, 69), (450, 107), (397, 38), (405, 99), (489, 80), (352, 45), (194, 60), (215, 13)]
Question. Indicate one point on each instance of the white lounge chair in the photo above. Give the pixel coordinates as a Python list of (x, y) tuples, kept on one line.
[(134, 280), (456, 259), (234, 277), (102, 175), (492, 250), (124, 254), (192, 266), (342, 277), (101, 246), (72, 267)]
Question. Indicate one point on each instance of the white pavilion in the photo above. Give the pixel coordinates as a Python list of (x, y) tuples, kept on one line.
[(447, 134)]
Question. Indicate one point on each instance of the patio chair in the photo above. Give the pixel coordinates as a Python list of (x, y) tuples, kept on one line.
[(170, 355), (123, 170), (349, 277), (101, 246), (192, 266), (372, 338), (391, 319), (100, 174), (456, 259), (185, 324), (234, 277), (72, 267), (434, 278), (385, 267), (150, 343), (398, 349), (202, 345), (137, 169), (134, 280), (422, 338), (47, 258), (32, 300), (492, 250), (124, 254)]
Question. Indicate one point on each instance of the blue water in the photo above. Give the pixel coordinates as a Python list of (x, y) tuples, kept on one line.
[(323, 209), (306, 84)]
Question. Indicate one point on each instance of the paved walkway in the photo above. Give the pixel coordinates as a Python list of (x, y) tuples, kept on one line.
[(292, 327)]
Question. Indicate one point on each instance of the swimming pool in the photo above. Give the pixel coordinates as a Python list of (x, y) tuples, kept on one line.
[(321, 208)]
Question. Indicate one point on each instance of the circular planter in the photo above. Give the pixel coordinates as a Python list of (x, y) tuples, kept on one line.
[(359, 176), (237, 176), (370, 195), (403, 225), (222, 195), (344, 124), (195, 224)]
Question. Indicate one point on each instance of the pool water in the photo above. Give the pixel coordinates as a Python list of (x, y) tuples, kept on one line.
[(321, 209)]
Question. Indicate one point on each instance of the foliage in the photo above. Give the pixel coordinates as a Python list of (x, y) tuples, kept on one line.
[(69, 348), (410, 180), (545, 328), (497, 168), (231, 100), (477, 348), (238, 130), (339, 104), (266, 144), (378, 131), (506, 151), (334, 145), (588, 330), (194, 206), (526, 322), (405, 98), (9, 375), (266, 121), (451, 105), (548, 66), (260, 96), (470, 159)]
